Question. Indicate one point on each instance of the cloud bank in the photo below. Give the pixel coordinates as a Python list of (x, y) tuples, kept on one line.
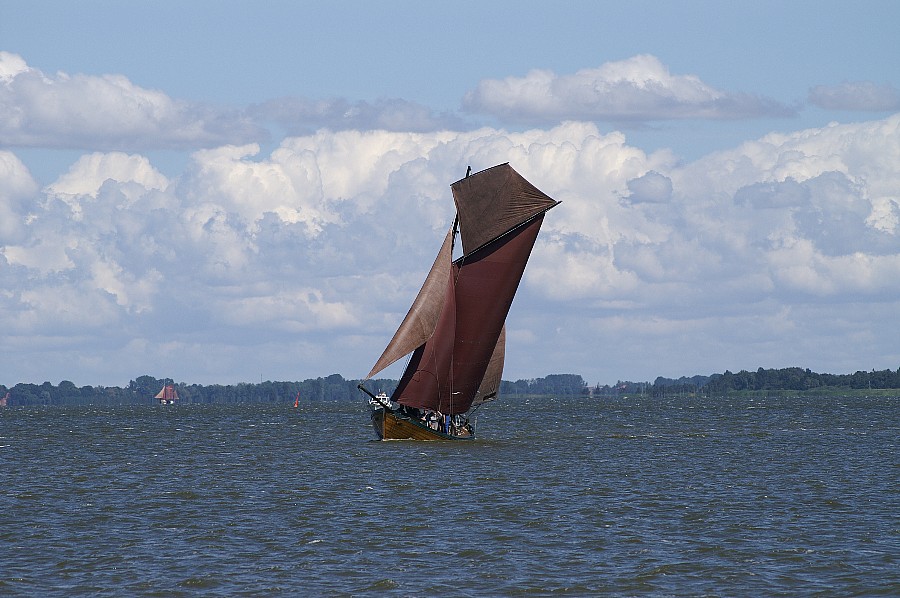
[(637, 89), (109, 112), (106, 112), (301, 261), (299, 116), (862, 95)]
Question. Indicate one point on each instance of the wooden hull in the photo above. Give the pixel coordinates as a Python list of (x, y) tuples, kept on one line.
[(390, 426)]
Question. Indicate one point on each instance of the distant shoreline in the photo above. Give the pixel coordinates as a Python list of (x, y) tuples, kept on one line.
[(783, 383), (836, 391)]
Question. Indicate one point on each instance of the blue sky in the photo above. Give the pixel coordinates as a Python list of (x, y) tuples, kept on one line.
[(212, 191)]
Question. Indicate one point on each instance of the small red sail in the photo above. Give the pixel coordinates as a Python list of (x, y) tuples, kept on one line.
[(168, 394)]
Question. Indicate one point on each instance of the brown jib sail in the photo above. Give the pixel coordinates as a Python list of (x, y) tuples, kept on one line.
[(455, 327)]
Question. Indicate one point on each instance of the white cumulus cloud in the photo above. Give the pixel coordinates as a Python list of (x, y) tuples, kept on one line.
[(17, 188), (651, 187), (87, 175), (106, 112)]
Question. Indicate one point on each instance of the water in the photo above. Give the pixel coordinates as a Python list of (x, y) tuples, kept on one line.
[(622, 497)]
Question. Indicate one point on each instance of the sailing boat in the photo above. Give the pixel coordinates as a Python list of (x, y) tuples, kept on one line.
[(168, 395), (455, 329)]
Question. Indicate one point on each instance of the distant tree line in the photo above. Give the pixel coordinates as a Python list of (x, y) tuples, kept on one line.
[(331, 388), (336, 388), (802, 379), (794, 379), (558, 385)]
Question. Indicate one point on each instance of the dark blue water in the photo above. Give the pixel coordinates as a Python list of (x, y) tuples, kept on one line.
[(687, 497)]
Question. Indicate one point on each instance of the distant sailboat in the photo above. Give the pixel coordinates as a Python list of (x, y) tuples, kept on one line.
[(168, 395), (455, 329), (297, 400)]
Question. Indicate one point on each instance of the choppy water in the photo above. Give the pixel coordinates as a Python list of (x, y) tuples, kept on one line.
[(622, 497)]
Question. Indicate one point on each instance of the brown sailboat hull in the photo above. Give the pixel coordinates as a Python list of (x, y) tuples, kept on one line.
[(391, 426)]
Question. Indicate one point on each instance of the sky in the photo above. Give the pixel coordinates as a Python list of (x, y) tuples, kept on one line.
[(234, 191)]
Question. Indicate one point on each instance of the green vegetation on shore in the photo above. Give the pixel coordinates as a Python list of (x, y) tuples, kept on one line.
[(786, 382), (792, 381)]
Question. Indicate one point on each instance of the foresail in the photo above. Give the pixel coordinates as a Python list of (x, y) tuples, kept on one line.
[(425, 382), (490, 385), (493, 202), (420, 321)]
